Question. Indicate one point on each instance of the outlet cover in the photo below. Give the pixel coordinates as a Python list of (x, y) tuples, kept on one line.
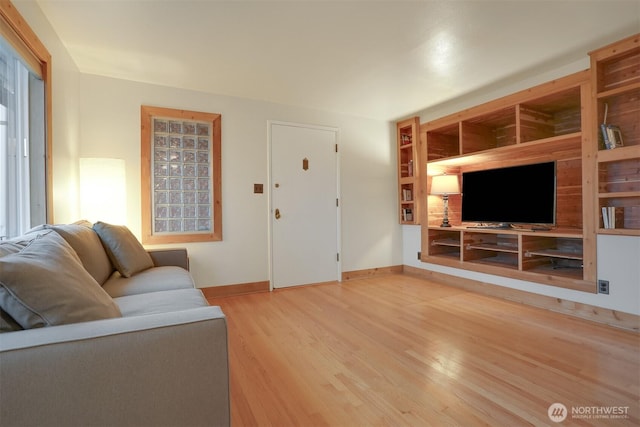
[(603, 287), (257, 188)]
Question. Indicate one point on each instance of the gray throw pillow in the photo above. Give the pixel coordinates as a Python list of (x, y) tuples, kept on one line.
[(125, 251), (45, 284), (89, 248)]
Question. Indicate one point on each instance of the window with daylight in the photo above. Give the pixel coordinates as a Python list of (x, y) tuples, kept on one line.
[(25, 146), (181, 176)]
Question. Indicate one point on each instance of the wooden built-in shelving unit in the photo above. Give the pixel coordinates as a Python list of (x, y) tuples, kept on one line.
[(616, 87), (556, 121), (550, 122), (408, 170)]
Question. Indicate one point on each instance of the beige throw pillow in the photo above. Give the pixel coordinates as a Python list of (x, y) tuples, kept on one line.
[(89, 248), (125, 251), (45, 284)]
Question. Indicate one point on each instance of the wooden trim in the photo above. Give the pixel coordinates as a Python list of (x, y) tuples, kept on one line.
[(370, 272), (249, 288), (22, 38), (593, 313), (508, 101), (616, 48), (233, 290), (27, 43), (147, 113)]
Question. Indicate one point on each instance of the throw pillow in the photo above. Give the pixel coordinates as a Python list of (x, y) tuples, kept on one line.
[(89, 248), (45, 284), (125, 251)]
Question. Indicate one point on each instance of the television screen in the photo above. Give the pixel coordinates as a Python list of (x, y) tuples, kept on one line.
[(518, 194)]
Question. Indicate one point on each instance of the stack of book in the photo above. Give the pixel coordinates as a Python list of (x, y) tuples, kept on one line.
[(612, 217), (407, 194), (407, 214)]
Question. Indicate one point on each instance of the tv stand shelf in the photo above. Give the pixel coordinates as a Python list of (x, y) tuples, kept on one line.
[(522, 253), (494, 247), (549, 122)]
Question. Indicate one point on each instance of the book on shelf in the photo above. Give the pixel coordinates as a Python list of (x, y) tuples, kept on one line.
[(605, 136), (407, 214), (407, 194), (611, 134), (613, 217)]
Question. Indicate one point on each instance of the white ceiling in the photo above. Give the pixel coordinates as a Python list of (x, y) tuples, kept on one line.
[(377, 59)]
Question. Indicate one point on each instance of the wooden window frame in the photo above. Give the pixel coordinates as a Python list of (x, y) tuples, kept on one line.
[(148, 113), (16, 30)]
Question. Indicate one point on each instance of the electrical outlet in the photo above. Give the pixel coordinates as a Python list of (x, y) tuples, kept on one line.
[(603, 287), (257, 188)]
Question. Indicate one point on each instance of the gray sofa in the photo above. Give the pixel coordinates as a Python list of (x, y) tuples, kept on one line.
[(96, 331)]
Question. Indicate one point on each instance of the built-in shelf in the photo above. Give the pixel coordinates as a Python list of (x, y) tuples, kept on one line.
[(408, 170), (541, 124), (615, 76)]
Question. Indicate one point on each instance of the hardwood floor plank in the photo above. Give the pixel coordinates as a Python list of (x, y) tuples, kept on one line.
[(399, 350)]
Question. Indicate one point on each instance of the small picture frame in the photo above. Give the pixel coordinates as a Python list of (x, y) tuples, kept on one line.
[(611, 136), (616, 136)]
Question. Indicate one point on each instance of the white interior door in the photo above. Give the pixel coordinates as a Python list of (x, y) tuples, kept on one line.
[(304, 205)]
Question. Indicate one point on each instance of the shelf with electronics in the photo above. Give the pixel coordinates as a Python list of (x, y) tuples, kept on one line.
[(546, 123), (616, 89), (408, 170)]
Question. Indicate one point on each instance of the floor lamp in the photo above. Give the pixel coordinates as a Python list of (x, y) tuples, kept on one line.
[(445, 185)]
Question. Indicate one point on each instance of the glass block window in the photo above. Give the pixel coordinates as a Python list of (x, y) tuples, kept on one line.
[(181, 151)]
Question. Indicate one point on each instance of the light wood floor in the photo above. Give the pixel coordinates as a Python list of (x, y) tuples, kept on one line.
[(401, 351)]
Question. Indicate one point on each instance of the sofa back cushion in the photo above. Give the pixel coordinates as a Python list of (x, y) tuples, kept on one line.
[(87, 244), (45, 284), (125, 251)]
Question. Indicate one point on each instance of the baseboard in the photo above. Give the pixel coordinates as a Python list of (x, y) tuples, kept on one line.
[(232, 290), (250, 288), (370, 272), (584, 311)]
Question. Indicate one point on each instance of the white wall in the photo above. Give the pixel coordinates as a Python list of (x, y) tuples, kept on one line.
[(371, 237), (96, 116), (618, 256)]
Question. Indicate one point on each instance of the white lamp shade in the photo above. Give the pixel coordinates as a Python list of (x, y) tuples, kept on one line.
[(103, 190), (445, 184)]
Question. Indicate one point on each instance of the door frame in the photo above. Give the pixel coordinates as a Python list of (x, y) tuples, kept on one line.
[(270, 213)]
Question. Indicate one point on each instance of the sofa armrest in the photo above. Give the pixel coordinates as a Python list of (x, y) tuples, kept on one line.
[(164, 369), (170, 257)]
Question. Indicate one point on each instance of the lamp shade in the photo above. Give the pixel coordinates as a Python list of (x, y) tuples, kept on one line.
[(103, 190), (445, 184)]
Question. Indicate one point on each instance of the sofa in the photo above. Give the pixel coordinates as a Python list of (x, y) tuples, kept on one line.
[(98, 331)]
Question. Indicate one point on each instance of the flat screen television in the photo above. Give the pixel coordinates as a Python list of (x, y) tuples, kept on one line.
[(512, 195)]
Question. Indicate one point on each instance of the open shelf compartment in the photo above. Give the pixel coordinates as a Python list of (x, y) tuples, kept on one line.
[(491, 249), (553, 115)]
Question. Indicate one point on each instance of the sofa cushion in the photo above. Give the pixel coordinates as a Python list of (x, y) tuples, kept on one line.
[(7, 324), (125, 251), (88, 246), (45, 284), (160, 302), (151, 280), (14, 245)]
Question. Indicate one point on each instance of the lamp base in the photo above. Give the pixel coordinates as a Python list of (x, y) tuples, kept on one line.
[(445, 217)]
